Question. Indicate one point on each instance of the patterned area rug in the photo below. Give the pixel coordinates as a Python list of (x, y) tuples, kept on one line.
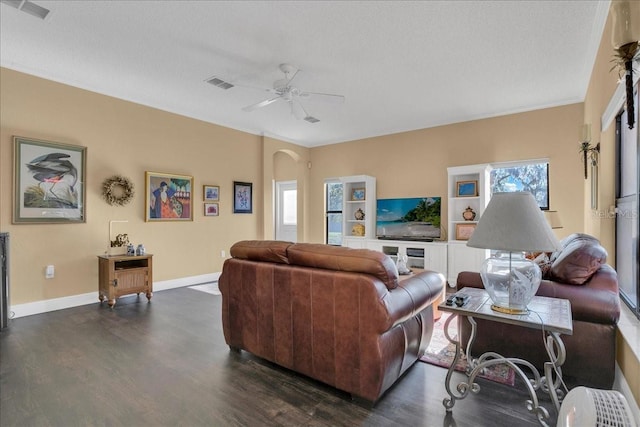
[(441, 353)]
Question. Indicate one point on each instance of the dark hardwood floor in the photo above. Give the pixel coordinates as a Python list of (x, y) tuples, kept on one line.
[(165, 363)]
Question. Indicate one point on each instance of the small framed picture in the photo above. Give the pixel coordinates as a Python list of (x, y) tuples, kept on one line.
[(210, 209), (242, 197), (464, 231), (211, 193), (467, 189), (358, 194)]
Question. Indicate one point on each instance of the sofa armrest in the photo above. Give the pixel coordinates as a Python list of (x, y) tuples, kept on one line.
[(412, 296), (469, 279)]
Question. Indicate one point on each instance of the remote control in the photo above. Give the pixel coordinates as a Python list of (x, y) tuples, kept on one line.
[(457, 299)]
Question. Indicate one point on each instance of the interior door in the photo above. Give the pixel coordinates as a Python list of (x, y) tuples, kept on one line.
[(286, 211)]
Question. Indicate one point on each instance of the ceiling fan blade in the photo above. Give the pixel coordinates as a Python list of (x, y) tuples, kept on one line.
[(328, 97), (301, 113), (260, 104)]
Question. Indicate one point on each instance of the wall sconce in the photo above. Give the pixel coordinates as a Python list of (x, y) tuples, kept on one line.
[(590, 155), (625, 37), (589, 152)]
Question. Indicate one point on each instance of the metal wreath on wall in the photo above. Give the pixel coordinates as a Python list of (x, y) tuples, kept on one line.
[(117, 190)]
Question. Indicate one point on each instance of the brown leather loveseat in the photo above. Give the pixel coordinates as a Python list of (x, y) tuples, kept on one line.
[(579, 273), (335, 314)]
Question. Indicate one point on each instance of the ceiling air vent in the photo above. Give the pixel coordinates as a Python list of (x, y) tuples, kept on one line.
[(311, 119), (28, 7), (219, 83)]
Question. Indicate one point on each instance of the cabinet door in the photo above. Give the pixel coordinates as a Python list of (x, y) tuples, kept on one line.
[(436, 258), (463, 258), (131, 279)]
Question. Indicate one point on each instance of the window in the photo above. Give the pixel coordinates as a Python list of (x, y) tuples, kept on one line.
[(627, 207), (333, 203), (531, 176)]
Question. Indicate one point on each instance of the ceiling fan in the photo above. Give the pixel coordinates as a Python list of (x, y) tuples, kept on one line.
[(285, 91)]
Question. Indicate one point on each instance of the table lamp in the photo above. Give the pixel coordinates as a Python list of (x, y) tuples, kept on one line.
[(512, 224)]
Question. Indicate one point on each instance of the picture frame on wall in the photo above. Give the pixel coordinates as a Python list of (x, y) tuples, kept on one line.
[(49, 182), (242, 197), (211, 193), (464, 231), (466, 188), (211, 209), (168, 197)]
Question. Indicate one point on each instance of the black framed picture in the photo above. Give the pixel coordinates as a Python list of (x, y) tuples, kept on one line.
[(242, 197)]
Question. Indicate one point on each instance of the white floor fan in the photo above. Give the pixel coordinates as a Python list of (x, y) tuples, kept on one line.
[(284, 90)]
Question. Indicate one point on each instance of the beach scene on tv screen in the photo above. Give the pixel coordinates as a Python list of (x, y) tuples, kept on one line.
[(413, 218)]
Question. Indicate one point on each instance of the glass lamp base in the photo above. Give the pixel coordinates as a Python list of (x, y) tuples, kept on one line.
[(508, 310), (511, 281)]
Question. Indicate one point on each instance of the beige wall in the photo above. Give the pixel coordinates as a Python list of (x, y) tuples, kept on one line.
[(127, 139), (414, 164)]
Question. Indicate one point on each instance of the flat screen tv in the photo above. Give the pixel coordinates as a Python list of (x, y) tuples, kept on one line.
[(415, 219)]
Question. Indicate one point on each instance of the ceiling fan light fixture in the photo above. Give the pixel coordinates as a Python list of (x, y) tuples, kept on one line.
[(219, 83), (311, 119)]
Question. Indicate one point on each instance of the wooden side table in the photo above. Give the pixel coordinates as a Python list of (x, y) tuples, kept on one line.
[(124, 275), (550, 315)]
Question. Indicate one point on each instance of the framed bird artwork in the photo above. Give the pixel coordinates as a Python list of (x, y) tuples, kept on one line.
[(49, 182)]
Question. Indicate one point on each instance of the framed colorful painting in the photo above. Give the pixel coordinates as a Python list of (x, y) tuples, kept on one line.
[(168, 197), (242, 197), (49, 182)]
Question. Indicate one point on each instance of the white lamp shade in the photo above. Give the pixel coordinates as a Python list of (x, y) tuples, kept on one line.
[(513, 222)]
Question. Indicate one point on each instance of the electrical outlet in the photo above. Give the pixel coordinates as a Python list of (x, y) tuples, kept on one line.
[(49, 272), (223, 254)]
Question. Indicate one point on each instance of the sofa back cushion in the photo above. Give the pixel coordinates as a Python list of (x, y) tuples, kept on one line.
[(580, 257), (345, 259), (261, 250)]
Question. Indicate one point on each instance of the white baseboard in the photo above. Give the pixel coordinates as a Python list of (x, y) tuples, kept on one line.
[(620, 384), (44, 306)]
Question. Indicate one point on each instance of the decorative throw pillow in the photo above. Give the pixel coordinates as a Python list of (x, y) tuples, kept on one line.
[(543, 261), (580, 257)]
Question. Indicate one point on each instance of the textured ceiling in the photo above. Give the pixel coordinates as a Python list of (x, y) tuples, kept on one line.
[(400, 65)]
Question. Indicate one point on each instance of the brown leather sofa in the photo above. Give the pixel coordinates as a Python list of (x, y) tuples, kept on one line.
[(578, 273), (335, 314)]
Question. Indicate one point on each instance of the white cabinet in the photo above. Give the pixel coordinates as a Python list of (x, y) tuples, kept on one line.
[(359, 208), (422, 255), (468, 194)]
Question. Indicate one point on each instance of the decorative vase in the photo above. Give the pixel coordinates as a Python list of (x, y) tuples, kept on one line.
[(359, 214), (469, 214)]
